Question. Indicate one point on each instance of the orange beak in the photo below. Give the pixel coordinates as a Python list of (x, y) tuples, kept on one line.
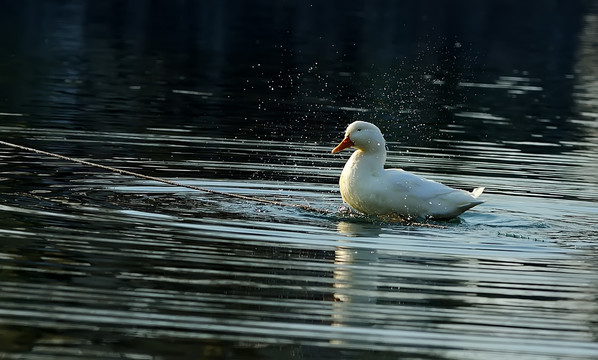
[(346, 143)]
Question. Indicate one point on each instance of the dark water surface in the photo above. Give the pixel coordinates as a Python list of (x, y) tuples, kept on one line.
[(249, 98)]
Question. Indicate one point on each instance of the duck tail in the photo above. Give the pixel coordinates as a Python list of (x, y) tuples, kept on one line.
[(477, 192)]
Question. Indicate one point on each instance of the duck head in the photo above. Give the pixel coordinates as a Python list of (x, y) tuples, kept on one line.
[(363, 136)]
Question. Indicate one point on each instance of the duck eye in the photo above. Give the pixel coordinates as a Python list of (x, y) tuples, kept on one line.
[(359, 129)]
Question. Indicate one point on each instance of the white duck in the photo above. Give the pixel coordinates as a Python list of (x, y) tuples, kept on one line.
[(369, 188)]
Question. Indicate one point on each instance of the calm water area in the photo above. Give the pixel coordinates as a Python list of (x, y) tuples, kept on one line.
[(249, 97)]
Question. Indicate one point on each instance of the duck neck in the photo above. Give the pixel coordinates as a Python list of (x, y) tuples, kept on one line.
[(372, 159)]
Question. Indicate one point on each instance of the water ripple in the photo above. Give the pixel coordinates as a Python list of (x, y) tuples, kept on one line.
[(133, 260)]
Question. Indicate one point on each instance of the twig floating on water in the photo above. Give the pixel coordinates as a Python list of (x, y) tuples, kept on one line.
[(165, 181)]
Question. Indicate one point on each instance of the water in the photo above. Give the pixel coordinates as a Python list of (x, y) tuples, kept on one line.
[(250, 99)]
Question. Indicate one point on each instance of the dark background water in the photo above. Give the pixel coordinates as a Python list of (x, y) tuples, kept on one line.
[(289, 69), (249, 97)]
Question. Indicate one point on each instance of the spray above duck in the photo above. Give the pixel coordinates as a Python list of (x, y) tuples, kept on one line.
[(370, 189)]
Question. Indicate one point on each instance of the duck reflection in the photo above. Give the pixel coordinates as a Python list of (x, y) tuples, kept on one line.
[(355, 275), (355, 229)]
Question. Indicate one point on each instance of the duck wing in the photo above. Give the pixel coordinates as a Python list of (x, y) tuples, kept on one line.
[(422, 197), (410, 184)]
